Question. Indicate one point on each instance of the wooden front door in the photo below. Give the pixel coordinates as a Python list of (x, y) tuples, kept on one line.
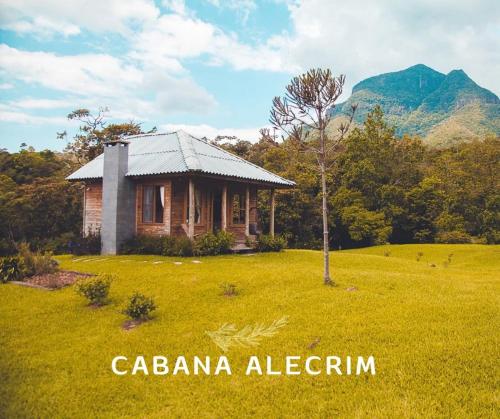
[(216, 210)]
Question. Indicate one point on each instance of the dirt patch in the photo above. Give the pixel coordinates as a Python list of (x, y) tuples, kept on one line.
[(314, 343), (131, 324), (96, 306), (54, 281)]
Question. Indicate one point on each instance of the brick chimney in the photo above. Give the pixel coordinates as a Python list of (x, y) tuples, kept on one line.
[(118, 198)]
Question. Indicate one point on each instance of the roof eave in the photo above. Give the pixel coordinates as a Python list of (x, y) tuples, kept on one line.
[(290, 184)]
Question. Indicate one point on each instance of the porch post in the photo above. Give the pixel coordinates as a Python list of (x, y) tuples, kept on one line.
[(167, 208), (271, 216), (247, 211), (224, 208), (191, 209)]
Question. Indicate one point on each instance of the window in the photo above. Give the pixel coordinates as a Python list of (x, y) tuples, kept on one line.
[(197, 207), (239, 206), (153, 203)]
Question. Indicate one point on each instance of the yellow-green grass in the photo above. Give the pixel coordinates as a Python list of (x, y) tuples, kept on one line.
[(432, 330)]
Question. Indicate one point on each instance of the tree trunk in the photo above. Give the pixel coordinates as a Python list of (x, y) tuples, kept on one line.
[(326, 247), (324, 195)]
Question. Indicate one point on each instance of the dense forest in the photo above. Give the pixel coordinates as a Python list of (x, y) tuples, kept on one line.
[(383, 188)]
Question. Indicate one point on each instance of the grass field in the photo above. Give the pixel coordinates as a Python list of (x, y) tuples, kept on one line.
[(433, 330)]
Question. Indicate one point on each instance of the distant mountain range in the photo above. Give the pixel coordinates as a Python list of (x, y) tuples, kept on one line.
[(441, 108)]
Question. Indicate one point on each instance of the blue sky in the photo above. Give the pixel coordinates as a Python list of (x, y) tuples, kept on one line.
[(213, 66)]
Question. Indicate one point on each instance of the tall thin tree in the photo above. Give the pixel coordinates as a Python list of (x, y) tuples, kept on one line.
[(306, 108)]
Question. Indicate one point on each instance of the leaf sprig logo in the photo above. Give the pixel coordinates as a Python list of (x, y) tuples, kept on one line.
[(228, 335)]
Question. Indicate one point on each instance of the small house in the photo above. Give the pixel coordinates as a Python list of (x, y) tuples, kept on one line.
[(171, 184)]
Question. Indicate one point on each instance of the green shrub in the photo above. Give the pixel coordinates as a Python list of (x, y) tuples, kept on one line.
[(36, 263), (139, 307), (226, 241), (183, 247), (228, 289), (11, 269), (59, 245), (177, 246), (85, 245), (168, 246), (268, 243), (95, 289), (210, 244), (491, 237), (144, 244), (453, 237), (7, 247), (207, 244)]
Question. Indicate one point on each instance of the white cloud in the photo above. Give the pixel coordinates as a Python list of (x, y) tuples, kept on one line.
[(174, 37), (159, 40), (358, 39), (25, 118), (32, 103), (365, 38), (87, 74), (6, 86), (242, 7), (68, 16), (176, 6), (100, 79), (210, 132), (42, 27)]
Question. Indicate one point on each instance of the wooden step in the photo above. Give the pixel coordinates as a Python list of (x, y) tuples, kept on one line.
[(241, 248)]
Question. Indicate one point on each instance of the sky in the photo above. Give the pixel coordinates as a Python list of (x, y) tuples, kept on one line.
[(212, 67)]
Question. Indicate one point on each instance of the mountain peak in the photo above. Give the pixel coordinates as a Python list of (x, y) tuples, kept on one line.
[(409, 86), (458, 74), (418, 99), (421, 67), (458, 71)]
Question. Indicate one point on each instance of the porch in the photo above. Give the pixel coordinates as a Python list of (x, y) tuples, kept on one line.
[(193, 206)]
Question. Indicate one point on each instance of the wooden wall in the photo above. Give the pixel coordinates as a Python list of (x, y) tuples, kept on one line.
[(92, 208), (155, 229), (175, 209)]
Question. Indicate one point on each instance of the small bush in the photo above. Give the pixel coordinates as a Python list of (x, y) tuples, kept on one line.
[(139, 307), (168, 246), (228, 289), (62, 244), (95, 289), (36, 263), (7, 247), (144, 244), (207, 244), (211, 244), (491, 237), (387, 253), (419, 256), (183, 247), (85, 245), (11, 269), (268, 243), (453, 237), (226, 241)]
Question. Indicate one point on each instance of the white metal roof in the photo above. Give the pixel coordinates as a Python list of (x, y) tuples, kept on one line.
[(180, 152)]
